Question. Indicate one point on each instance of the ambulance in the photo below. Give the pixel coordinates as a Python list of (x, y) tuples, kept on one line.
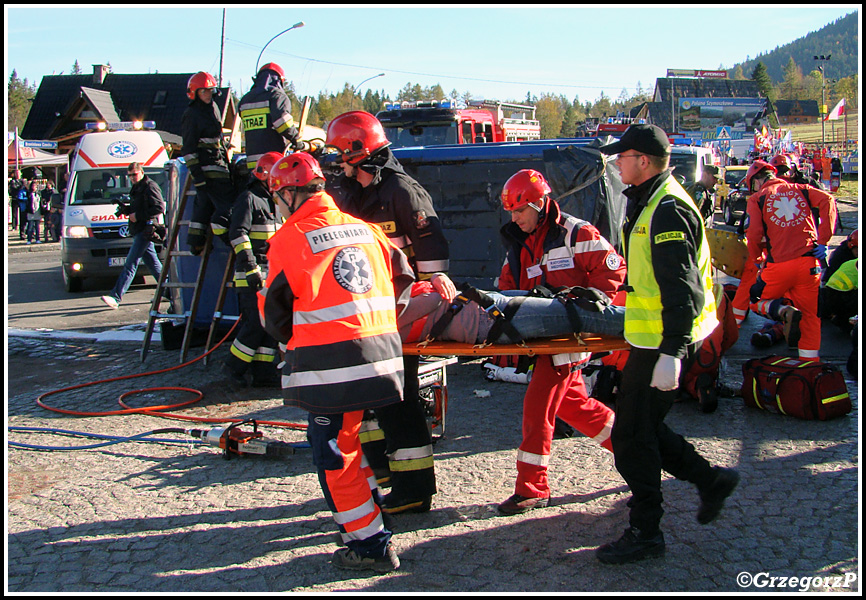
[(95, 240)]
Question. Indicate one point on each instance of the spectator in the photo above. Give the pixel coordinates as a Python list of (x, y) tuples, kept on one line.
[(33, 213), (47, 191), (145, 212), (18, 202)]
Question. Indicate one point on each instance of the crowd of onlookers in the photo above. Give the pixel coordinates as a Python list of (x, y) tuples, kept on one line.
[(32, 212)]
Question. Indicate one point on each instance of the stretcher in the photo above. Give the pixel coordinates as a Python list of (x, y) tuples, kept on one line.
[(586, 343), (433, 382)]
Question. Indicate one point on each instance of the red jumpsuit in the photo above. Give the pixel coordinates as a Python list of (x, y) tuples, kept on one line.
[(782, 215), (562, 251)]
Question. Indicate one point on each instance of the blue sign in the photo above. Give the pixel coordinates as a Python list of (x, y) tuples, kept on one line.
[(39, 144)]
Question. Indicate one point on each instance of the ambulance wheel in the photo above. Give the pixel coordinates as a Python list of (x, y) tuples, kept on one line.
[(72, 284)]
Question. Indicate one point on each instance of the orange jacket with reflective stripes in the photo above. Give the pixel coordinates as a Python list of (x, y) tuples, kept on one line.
[(334, 286)]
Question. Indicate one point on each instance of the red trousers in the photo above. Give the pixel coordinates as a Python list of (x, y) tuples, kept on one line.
[(555, 391), (799, 281)]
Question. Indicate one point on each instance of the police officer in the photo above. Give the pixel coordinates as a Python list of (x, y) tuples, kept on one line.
[(670, 308), (207, 158), (254, 221), (702, 192), (374, 187), (266, 112)]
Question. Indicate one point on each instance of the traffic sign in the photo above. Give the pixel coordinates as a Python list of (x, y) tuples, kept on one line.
[(39, 144), (723, 133)]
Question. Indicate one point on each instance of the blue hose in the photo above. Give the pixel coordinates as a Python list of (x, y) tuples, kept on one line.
[(141, 437)]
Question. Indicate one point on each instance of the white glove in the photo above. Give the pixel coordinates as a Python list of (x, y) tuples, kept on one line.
[(666, 373)]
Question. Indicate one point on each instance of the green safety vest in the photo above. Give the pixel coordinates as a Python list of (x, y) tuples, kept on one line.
[(845, 277), (643, 314)]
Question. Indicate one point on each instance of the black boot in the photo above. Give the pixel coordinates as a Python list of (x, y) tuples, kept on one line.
[(631, 547)]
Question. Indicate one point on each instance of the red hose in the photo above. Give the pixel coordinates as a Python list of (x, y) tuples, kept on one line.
[(155, 411)]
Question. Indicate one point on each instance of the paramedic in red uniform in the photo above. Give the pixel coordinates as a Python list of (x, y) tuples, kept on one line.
[(374, 187), (792, 224), (545, 246), (334, 289)]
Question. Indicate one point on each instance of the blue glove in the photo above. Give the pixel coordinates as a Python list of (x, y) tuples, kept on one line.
[(820, 252)]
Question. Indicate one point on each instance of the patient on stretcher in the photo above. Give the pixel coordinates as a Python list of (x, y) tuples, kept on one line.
[(437, 312)]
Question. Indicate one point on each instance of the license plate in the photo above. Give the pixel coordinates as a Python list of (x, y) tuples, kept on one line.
[(117, 261)]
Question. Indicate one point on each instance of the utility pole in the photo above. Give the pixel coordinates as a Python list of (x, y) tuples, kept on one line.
[(823, 60), (222, 46)]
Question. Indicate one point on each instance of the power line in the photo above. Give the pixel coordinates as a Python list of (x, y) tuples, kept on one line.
[(421, 74)]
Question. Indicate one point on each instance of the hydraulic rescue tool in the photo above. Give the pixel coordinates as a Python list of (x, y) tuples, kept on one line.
[(234, 439)]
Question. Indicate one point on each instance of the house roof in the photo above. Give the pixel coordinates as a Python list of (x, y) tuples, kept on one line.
[(690, 87), (159, 97)]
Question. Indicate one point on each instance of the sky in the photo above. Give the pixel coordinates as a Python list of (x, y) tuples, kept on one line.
[(491, 51)]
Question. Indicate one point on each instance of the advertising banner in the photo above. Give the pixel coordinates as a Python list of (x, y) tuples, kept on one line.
[(720, 118)]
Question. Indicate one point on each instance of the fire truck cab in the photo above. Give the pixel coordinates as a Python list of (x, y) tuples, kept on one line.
[(434, 123)]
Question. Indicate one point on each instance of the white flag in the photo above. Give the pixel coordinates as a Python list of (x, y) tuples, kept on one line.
[(837, 111)]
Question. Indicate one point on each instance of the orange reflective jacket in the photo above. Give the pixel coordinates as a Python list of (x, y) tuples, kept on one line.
[(330, 298)]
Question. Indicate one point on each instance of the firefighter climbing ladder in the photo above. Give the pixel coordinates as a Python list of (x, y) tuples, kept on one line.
[(171, 253)]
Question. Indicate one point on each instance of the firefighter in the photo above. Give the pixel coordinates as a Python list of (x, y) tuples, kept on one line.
[(670, 309), (545, 246), (253, 222), (206, 155), (782, 226), (375, 188), (266, 112), (335, 287)]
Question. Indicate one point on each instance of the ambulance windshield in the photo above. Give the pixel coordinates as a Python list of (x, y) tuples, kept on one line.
[(106, 186)]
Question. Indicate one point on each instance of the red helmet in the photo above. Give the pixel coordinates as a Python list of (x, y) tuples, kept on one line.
[(200, 80), (853, 239), (757, 167), (782, 162), (264, 165), (524, 187), (275, 68), (294, 170), (357, 135)]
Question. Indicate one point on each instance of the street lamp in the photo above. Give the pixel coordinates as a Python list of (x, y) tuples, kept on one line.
[(823, 59), (295, 26), (354, 89)]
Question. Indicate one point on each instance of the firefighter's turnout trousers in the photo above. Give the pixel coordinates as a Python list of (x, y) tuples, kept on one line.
[(408, 451)]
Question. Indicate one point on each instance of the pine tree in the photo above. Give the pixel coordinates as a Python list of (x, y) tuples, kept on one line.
[(20, 97), (765, 87)]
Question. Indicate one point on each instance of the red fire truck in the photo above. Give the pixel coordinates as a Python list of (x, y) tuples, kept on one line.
[(435, 123)]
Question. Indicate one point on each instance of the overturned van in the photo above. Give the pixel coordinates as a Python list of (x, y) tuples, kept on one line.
[(94, 239)]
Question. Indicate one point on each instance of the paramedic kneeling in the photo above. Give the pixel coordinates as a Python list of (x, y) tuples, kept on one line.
[(670, 308)]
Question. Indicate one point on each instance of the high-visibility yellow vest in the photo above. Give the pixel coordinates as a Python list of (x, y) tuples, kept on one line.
[(845, 277), (643, 315)]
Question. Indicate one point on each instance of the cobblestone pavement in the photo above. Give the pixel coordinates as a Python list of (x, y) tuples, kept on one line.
[(151, 517)]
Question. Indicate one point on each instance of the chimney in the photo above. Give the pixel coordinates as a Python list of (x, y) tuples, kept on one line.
[(99, 73)]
